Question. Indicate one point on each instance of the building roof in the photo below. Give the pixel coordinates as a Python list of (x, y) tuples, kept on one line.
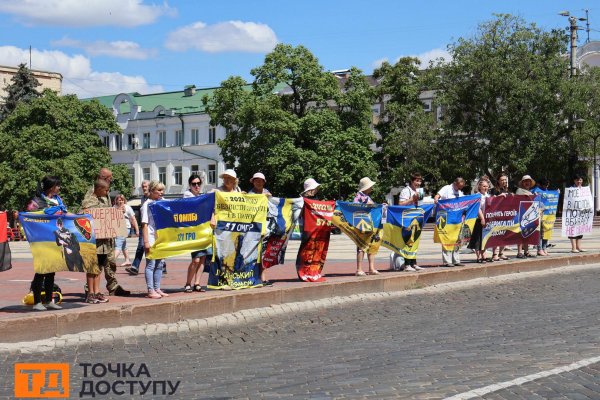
[(177, 100)]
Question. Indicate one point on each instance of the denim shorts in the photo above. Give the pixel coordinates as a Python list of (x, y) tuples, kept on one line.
[(120, 243)]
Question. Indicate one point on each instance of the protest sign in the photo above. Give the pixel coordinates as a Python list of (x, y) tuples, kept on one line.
[(578, 213), (315, 239)]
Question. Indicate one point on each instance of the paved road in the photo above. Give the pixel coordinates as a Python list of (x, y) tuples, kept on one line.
[(431, 343)]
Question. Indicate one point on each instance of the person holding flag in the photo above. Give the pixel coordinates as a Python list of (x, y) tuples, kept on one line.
[(410, 196), (365, 187), (451, 258)]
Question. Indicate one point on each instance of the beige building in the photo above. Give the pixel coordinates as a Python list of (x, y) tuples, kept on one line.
[(47, 80)]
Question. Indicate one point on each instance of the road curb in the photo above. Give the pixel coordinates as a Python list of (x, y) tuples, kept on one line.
[(45, 326)]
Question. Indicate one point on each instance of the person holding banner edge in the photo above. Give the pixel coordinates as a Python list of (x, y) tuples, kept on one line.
[(576, 240), (365, 187), (501, 189), (452, 191), (48, 200), (409, 196), (153, 271), (483, 185), (198, 257), (526, 184), (258, 182)]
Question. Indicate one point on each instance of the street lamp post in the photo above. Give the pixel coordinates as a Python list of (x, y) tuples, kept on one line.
[(573, 35)]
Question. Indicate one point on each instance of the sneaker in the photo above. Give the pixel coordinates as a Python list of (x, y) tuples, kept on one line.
[(161, 293), (119, 291), (53, 306), (39, 307), (409, 268), (132, 271), (153, 295), (418, 268), (101, 298), (91, 299)]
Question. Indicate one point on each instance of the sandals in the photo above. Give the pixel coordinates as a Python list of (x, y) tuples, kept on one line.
[(198, 288), (360, 273), (495, 258), (521, 255), (187, 288), (502, 256), (374, 272)]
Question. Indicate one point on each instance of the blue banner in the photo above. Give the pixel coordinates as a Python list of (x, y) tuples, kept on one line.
[(455, 220), (361, 223), (549, 200)]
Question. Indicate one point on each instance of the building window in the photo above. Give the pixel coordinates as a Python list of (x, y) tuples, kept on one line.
[(146, 144), (212, 174), (195, 136), (194, 169), (162, 139), (179, 137), (131, 141), (132, 176), (106, 141), (177, 175), (162, 175), (118, 142), (212, 134), (427, 107), (146, 173)]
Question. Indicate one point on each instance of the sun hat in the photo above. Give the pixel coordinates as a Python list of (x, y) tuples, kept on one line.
[(228, 172), (310, 184), (527, 178), (365, 184), (258, 175)]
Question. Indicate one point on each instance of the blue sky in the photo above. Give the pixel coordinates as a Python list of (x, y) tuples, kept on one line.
[(104, 47)]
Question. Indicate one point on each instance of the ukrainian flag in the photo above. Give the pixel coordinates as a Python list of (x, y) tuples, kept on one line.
[(182, 225), (455, 220), (549, 199), (361, 223), (403, 227)]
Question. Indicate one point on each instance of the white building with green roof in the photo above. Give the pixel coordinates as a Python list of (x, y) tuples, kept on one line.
[(166, 137)]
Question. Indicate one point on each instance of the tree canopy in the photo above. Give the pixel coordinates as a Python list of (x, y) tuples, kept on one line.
[(55, 135), (505, 97), (296, 121)]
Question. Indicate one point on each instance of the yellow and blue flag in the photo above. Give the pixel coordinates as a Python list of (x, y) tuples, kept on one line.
[(403, 227), (182, 225), (60, 242), (549, 200), (282, 218), (241, 224), (455, 220), (361, 223)]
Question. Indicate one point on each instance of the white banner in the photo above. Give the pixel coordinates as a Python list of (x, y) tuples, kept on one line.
[(578, 213)]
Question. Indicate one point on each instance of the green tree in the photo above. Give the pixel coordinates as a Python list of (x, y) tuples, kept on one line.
[(505, 96), (296, 121), (407, 132), (22, 88), (55, 135)]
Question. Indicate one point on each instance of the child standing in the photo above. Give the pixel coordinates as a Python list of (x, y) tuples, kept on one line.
[(154, 268)]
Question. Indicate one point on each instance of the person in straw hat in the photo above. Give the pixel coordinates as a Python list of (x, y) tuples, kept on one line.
[(365, 187), (311, 188)]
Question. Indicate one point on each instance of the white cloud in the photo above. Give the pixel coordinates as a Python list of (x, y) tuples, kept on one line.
[(84, 12), (118, 49), (78, 76), (226, 36), (425, 58)]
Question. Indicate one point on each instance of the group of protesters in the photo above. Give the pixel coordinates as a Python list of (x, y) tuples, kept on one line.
[(48, 201)]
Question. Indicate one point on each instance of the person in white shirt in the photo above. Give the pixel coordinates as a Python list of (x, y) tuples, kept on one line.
[(410, 196), (452, 191)]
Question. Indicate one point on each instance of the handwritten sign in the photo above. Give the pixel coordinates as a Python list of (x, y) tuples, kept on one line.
[(578, 215), (108, 223)]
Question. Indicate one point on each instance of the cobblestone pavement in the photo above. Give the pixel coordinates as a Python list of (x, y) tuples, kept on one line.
[(427, 343)]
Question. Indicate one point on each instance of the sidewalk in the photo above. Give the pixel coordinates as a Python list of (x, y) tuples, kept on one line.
[(19, 323)]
